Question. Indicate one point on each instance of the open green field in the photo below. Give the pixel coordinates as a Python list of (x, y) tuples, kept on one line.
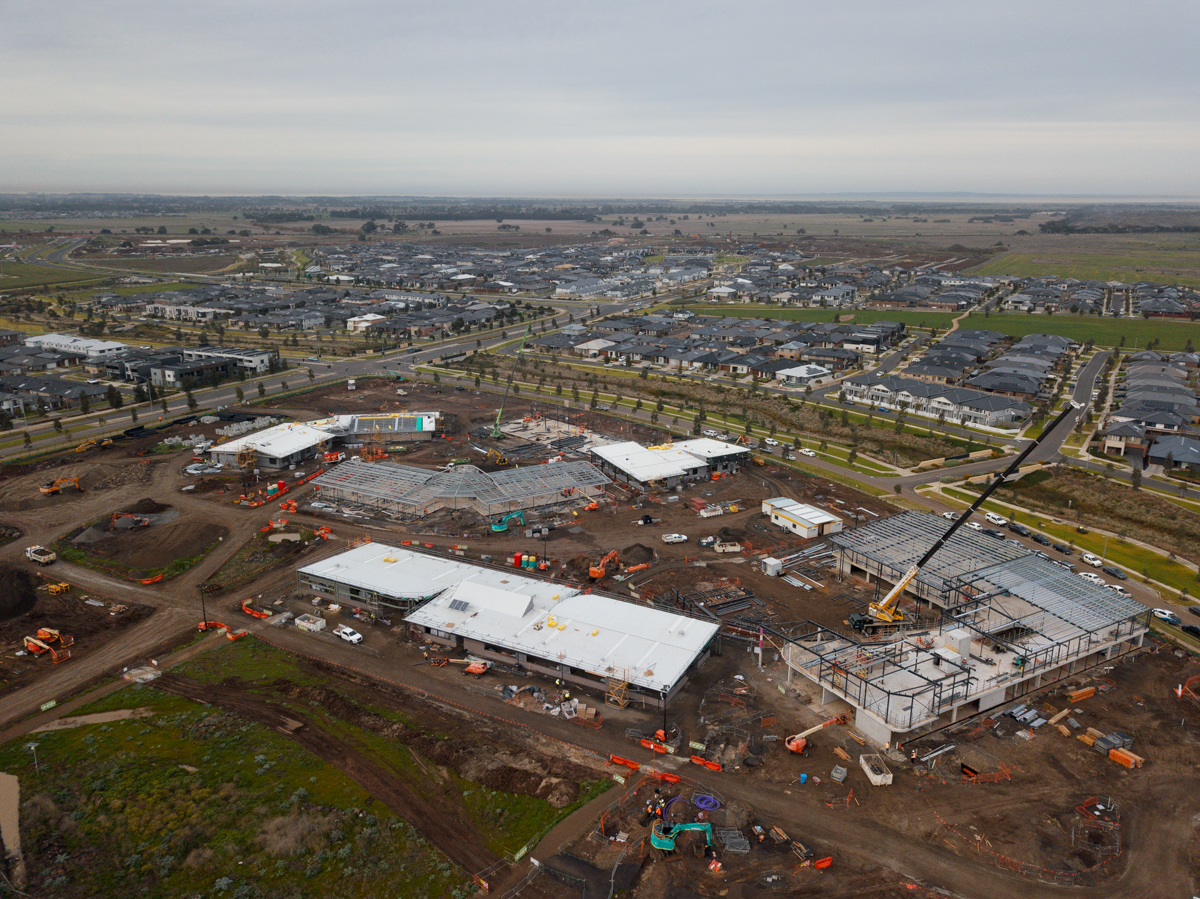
[(19, 275), (1172, 334), (1167, 258), (914, 318)]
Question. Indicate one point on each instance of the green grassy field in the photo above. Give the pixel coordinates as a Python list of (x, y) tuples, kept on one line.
[(18, 275), (1177, 265), (914, 318), (1172, 334)]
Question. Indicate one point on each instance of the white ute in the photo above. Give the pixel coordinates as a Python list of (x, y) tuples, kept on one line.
[(674, 538), (349, 634), (40, 554)]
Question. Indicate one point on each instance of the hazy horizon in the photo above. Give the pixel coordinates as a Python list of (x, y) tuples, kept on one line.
[(773, 100)]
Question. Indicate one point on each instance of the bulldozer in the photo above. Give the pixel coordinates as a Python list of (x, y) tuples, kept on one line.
[(55, 486), (600, 569)]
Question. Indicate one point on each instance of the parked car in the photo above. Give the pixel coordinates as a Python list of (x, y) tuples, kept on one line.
[(1018, 528), (1117, 588), (950, 516), (994, 532), (771, 441), (1062, 548), (1070, 566), (1166, 615), (1195, 610), (710, 433), (1191, 630), (1116, 572), (805, 451), (1092, 560), (674, 538), (349, 634), (1041, 555), (1092, 577), (1040, 539), (995, 519), (975, 525)]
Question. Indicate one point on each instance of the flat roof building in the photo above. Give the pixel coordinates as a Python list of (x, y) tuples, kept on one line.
[(498, 614), (277, 447), (801, 519), (643, 466), (720, 456)]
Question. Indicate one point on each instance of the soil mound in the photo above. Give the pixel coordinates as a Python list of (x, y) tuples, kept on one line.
[(147, 506), (734, 535), (17, 592), (579, 565), (636, 554)]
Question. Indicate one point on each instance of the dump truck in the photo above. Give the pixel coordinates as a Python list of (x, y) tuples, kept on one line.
[(40, 554)]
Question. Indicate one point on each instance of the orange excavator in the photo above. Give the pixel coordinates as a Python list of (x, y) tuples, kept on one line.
[(55, 486), (799, 742), (136, 521), (600, 569)]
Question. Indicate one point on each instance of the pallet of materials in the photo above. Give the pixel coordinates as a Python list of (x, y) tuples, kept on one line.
[(1126, 758), (1085, 693)]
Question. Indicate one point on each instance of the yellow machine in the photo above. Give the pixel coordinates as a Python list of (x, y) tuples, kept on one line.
[(500, 458), (59, 588), (56, 486)]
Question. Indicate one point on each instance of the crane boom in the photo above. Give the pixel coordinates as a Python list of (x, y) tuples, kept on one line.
[(886, 610), (496, 434)]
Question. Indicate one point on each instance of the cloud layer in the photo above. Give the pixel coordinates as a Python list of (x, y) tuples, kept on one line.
[(554, 98)]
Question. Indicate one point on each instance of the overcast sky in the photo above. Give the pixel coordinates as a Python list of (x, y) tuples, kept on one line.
[(562, 98)]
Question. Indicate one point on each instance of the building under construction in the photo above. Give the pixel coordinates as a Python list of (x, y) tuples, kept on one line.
[(1010, 623), (386, 427), (404, 490)]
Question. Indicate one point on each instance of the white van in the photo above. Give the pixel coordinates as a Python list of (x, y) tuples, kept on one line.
[(993, 518)]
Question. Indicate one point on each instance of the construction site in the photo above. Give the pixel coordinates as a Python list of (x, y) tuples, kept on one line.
[(729, 678)]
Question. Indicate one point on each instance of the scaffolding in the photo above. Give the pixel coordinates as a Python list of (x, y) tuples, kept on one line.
[(617, 689), (405, 490)]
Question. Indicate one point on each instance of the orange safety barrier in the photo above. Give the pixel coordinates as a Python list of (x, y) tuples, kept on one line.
[(628, 763), (428, 546), (670, 778), (697, 760), (406, 543), (152, 580), (823, 863), (713, 766), (654, 747)]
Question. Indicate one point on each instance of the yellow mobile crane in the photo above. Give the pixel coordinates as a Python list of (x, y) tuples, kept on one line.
[(886, 610)]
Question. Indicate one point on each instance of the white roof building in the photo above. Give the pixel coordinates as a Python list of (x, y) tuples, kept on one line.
[(639, 464), (505, 616), (802, 374), (69, 344), (800, 518), (277, 447)]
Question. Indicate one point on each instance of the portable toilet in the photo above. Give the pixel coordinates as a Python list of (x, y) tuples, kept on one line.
[(516, 560)]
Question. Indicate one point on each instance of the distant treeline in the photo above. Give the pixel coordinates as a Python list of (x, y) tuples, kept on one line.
[(1064, 226)]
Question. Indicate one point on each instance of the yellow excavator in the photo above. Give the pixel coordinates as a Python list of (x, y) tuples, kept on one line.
[(500, 458), (886, 610), (55, 486)]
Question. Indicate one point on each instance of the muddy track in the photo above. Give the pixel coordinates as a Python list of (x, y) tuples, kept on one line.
[(443, 827)]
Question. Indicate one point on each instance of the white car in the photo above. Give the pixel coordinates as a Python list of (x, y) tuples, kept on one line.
[(950, 516), (998, 520), (1092, 577), (805, 451), (349, 634), (1094, 561), (771, 441), (674, 538), (1117, 588), (710, 433), (975, 525), (1165, 615)]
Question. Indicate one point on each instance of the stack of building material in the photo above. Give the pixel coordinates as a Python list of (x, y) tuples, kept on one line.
[(839, 774), (1085, 693), (1126, 758)]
